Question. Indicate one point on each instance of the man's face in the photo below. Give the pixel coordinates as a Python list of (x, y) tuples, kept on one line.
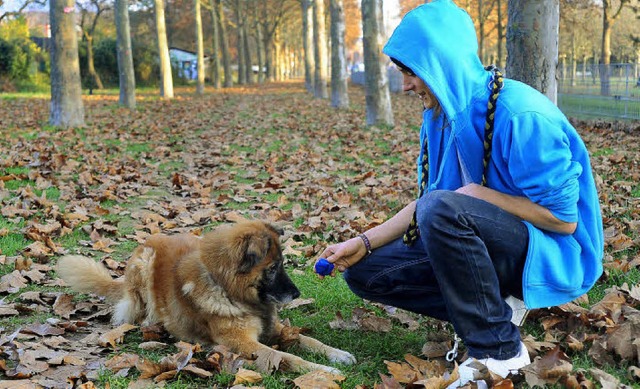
[(413, 83)]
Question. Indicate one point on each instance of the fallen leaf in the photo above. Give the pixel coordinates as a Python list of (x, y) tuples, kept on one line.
[(245, 376), (319, 379)]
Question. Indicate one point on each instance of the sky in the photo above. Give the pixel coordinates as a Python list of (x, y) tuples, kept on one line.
[(14, 5)]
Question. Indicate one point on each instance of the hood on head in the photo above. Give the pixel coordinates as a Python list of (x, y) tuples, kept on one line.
[(437, 41)]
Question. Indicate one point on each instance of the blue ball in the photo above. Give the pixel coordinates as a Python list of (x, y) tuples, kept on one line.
[(323, 267)]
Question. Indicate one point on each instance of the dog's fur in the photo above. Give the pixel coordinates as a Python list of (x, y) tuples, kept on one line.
[(223, 288)]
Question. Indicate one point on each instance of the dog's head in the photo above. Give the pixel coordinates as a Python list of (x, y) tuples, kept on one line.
[(247, 258)]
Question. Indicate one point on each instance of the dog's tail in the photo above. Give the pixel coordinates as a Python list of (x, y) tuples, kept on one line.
[(85, 275)]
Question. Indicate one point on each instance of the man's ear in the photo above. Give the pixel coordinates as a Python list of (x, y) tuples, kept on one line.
[(255, 251)]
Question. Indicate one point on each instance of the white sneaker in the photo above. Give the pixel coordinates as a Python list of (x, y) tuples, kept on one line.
[(519, 310), (469, 369)]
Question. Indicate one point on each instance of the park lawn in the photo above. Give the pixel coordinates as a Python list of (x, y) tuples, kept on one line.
[(270, 152)]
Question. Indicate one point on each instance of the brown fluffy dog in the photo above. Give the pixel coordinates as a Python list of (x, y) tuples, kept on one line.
[(223, 288)]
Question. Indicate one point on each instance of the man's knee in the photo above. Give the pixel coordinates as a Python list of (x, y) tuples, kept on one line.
[(435, 207)]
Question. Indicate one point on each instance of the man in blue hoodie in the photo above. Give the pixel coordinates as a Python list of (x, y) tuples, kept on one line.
[(507, 202)]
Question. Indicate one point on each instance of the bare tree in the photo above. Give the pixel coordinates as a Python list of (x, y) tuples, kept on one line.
[(610, 14), (215, 37), (23, 5), (166, 82), (339, 95), (485, 8), (273, 12), (67, 109), (319, 50), (257, 35), (307, 43), (377, 97), (90, 13), (125, 57), (242, 75), (199, 49), (226, 57), (532, 44)]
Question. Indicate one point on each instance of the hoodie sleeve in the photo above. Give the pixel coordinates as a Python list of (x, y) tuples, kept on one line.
[(540, 162)]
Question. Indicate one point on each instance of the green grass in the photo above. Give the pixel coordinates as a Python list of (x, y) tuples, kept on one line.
[(12, 243), (596, 106)]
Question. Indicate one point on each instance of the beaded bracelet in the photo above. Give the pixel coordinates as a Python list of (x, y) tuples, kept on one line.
[(367, 244)]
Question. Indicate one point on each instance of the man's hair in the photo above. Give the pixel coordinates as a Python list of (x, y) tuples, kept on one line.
[(403, 67)]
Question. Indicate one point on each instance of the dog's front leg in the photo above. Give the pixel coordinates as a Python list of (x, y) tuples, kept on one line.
[(310, 344), (333, 354), (247, 345)]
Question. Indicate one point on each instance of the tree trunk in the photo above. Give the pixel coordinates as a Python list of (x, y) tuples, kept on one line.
[(258, 37), (242, 75), (532, 44), (339, 95), (377, 97), (199, 49), (307, 43), (125, 57), (66, 93), (166, 82), (608, 19), (500, 28), (320, 50), (91, 69), (215, 59), (226, 58), (248, 68), (574, 60), (481, 20)]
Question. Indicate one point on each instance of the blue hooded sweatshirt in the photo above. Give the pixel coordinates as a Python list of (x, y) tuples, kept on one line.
[(536, 152)]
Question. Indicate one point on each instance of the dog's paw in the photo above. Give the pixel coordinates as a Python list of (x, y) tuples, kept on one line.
[(329, 369), (340, 356)]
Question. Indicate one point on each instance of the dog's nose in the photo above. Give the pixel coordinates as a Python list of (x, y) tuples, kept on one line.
[(296, 293)]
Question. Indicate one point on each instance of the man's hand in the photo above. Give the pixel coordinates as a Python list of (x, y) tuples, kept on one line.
[(345, 254)]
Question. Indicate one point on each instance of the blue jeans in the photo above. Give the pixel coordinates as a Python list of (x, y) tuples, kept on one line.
[(470, 256)]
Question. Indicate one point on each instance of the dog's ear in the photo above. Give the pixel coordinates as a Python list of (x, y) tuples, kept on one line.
[(255, 250), (276, 228)]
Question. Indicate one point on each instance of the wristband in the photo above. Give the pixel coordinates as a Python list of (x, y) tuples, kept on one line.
[(367, 244)]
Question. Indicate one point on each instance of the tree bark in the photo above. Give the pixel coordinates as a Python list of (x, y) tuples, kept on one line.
[(125, 57), (378, 101), (307, 44), (500, 28), (226, 58), (339, 95), (248, 68), (320, 50), (199, 49), (66, 93), (215, 59), (532, 44), (242, 75), (91, 68), (609, 17), (166, 81), (258, 39)]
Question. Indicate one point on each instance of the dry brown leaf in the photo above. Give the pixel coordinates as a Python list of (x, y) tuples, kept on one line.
[(404, 373), (268, 360), (122, 361), (115, 336), (245, 376), (191, 369), (64, 306), (607, 381), (548, 369), (319, 379)]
